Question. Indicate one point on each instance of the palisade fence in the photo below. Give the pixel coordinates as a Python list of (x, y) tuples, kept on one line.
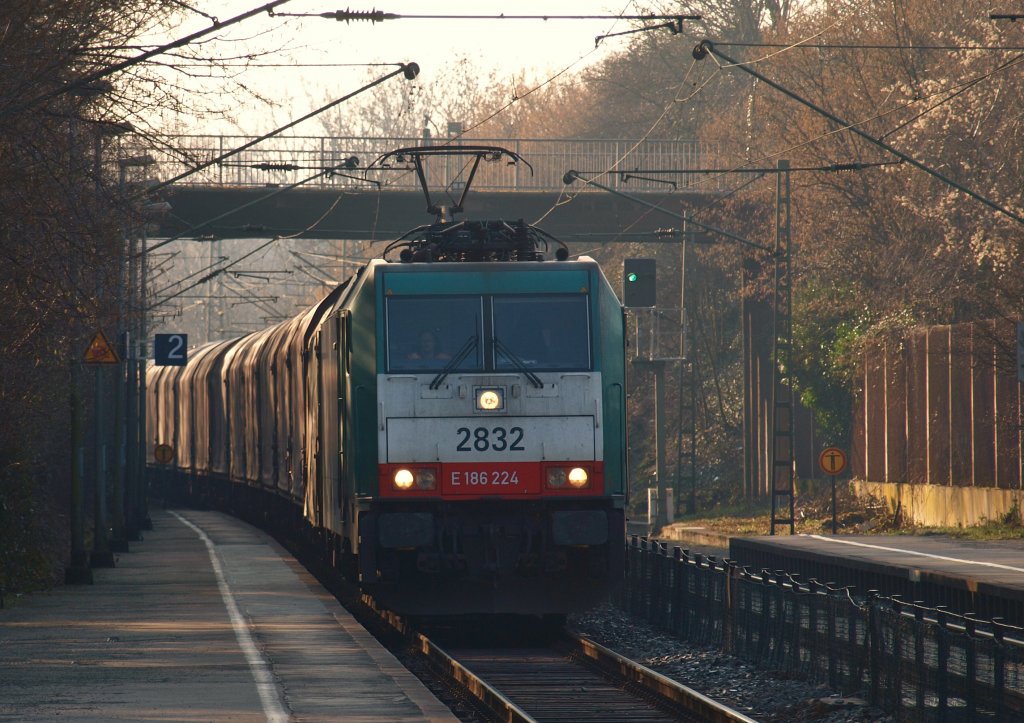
[(941, 405), (919, 663)]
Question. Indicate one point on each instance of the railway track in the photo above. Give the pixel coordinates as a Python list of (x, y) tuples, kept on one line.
[(572, 679)]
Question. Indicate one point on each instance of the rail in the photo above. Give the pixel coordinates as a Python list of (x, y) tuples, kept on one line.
[(626, 675), (656, 684), (636, 166)]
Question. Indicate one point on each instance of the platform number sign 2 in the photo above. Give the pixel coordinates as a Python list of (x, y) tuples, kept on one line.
[(170, 350)]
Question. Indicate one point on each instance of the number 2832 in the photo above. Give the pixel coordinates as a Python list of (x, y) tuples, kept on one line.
[(484, 439)]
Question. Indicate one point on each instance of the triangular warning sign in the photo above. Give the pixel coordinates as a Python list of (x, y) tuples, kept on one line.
[(100, 351)]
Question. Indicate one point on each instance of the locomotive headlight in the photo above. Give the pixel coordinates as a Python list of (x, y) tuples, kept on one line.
[(489, 399), (425, 479), (422, 478), (578, 477), (404, 479), (557, 477), (562, 477)]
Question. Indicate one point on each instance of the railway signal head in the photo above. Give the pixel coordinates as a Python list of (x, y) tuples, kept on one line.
[(639, 283)]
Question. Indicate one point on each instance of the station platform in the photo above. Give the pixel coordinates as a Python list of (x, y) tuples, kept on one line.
[(968, 576), (207, 619)]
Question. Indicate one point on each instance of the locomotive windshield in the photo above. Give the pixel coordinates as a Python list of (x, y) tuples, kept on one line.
[(425, 333), (542, 333)]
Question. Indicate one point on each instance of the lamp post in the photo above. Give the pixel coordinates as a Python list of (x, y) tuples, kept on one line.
[(78, 571), (123, 529), (133, 491), (101, 556), (142, 499), (102, 553)]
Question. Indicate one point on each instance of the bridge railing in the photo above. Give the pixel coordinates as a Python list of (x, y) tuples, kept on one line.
[(632, 165)]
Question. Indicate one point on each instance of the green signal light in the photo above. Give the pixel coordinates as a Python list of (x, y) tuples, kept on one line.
[(632, 277)]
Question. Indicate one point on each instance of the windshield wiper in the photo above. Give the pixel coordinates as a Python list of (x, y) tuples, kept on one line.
[(518, 363), (465, 351)]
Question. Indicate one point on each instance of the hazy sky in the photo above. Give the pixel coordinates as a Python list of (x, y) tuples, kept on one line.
[(314, 50)]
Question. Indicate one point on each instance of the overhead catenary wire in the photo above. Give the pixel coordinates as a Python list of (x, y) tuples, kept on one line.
[(276, 192), (179, 282), (804, 43), (409, 70), (697, 91), (870, 46), (516, 96), (620, 172), (248, 296), (377, 16), (216, 272), (831, 167), (213, 220), (707, 47), (210, 276), (967, 85), (571, 176), (204, 224), (304, 267), (213, 274), (90, 78), (644, 137), (955, 90)]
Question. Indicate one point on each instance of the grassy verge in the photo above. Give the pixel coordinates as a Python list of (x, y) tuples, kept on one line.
[(813, 515)]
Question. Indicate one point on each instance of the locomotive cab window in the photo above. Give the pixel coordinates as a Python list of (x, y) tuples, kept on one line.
[(541, 332), (429, 333)]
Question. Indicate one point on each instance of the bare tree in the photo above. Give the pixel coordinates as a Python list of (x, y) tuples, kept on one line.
[(63, 216), (889, 246), (459, 94)]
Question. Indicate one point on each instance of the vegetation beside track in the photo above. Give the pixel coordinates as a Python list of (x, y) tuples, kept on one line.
[(854, 516)]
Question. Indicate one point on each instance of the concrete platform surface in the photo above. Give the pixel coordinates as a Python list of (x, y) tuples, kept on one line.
[(985, 577), (683, 535), (207, 619), (993, 562)]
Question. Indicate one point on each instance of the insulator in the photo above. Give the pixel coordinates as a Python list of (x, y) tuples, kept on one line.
[(373, 16), (275, 167)]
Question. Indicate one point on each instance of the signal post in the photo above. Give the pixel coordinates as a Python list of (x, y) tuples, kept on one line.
[(639, 292)]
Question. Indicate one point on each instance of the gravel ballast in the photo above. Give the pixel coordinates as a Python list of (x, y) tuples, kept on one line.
[(756, 693)]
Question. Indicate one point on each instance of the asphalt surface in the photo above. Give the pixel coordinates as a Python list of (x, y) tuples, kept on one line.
[(226, 628)]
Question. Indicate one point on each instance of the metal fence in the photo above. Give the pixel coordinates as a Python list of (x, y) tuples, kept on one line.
[(632, 165), (941, 405), (920, 663)]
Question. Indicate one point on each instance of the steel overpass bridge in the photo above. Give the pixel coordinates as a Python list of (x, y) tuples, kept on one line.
[(330, 187)]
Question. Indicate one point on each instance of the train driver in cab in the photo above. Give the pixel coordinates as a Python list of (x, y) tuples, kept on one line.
[(427, 349)]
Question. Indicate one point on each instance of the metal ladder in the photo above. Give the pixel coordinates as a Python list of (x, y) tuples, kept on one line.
[(782, 468)]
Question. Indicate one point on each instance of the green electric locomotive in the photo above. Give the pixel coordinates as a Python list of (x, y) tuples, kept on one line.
[(448, 424)]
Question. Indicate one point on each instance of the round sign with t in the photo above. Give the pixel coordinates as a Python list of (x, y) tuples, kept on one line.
[(832, 461)]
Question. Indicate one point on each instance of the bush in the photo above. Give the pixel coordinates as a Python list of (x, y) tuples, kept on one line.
[(31, 535)]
